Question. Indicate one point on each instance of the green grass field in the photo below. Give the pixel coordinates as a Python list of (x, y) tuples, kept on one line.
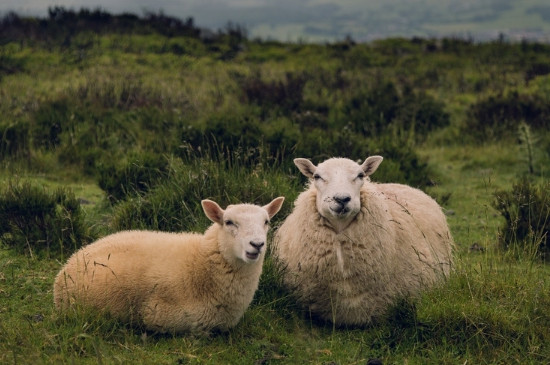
[(140, 126)]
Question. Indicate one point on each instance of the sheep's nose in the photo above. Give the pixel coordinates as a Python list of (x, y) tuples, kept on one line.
[(342, 199), (257, 244)]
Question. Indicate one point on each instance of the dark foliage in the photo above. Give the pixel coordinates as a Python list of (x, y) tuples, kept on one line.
[(286, 94), (34, 221), (374, 111), (14, 140), (499, 116), (174, 205), (50, 120), (64, 24), (526, 210), (536, 69), (137, 176), (9, 64)]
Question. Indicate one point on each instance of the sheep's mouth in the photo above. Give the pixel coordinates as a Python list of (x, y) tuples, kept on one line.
[(340, 211), (252, 255)]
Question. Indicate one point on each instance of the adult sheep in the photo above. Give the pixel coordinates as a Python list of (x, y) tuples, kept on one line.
[(173, 282), (351, 247)]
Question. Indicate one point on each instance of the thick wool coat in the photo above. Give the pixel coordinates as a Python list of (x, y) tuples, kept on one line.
[(170, 282), (398, 244)]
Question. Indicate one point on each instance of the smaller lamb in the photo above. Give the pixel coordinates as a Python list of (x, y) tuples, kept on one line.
[(173, 282), (351, 247)]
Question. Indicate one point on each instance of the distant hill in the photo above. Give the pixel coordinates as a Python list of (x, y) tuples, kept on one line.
[(327, 20)]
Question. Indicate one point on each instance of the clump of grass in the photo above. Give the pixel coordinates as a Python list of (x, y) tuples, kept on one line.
[(35, 221), (137, 176), (526, 210), (174, 204), (496, 117)]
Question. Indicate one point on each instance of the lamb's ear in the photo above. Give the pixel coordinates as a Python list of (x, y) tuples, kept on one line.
[(212, 211), (306, 166), (371, 164), (273, 207)]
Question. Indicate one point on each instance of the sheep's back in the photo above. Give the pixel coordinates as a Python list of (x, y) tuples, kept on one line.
[(424, 241), (117, 271)]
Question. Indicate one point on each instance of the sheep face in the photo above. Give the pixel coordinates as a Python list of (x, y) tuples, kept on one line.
[(243, 228), (338, 182)]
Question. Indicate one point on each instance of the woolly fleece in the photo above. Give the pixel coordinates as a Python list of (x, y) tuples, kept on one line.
[(398, 244), (170, 282)]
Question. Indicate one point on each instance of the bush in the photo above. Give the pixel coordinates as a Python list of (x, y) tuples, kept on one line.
[(402, 164), (34, 221), (499, 116), (526, 210), (174, 205), (50, 121), (287, 94), (383, 108), (14, 140), (137, 176)]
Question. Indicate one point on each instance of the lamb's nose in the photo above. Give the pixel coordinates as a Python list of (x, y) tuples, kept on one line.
[(257, 244), (342, 199)]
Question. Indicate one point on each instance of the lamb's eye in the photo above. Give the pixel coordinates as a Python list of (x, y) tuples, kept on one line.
[(317, 177), (229, 223), (361, 175), (266, 222)]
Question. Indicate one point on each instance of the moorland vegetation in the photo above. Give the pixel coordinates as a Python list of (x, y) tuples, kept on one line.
[(112, 122)]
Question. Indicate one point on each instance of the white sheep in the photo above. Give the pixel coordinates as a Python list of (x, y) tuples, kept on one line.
[(351, 247), (173, 282)]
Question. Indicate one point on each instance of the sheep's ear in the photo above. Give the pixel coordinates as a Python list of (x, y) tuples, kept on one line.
[(306, 166), (212, 211), (273, 207), (371, 164)]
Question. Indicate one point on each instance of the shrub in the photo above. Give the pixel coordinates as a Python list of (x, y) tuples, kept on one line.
[(499, 116), (402, 164), (174, 205), (14, 140), (231, 138), (288, 94), (382, 108), (536, 69), (36, 221), (526, 210), (136, 176), (50, 121)]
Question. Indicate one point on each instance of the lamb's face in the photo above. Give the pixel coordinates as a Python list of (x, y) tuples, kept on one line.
[(244, 228), (338, 182)]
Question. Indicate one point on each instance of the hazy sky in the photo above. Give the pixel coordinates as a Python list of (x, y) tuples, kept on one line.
[(318, 20)]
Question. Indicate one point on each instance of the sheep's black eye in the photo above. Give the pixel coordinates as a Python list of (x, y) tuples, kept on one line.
[(266, 222), (361, 175), (317, 177), (229, 223)]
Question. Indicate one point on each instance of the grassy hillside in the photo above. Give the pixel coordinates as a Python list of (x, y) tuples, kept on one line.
[(117, 122)]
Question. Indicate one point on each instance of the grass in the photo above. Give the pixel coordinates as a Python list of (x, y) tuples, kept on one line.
[(493, 309)]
